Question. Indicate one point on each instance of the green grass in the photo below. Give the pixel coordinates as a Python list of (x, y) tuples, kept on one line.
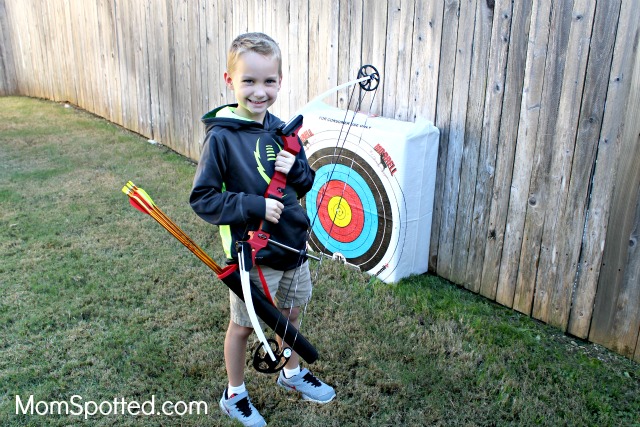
[(99, 301)]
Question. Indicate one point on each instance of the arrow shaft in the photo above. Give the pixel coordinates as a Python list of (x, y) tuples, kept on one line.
[(231, 277)]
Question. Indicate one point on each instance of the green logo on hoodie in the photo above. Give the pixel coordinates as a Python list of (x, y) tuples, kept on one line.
[(270, 152)]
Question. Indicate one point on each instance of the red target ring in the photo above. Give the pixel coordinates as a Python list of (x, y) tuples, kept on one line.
[(340, 211)]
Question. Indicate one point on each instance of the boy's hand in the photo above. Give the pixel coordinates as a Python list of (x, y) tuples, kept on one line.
[(284, 162), (273, 210)]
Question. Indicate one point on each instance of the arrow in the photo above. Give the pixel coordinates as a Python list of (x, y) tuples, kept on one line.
[(229, 275)]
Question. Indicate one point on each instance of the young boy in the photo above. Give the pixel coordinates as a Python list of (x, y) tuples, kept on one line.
[(238, 158)]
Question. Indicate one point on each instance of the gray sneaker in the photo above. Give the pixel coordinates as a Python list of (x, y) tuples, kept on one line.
[(240, 408), (309, 386)]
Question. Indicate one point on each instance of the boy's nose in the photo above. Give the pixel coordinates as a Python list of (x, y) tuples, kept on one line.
[(259, 90)]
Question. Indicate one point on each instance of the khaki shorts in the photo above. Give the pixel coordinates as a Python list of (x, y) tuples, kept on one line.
[(288, 289)]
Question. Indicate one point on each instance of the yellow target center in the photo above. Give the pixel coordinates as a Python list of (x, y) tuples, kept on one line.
[(339, 211)]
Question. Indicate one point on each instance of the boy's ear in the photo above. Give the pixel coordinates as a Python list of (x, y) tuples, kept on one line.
[(228, 81)]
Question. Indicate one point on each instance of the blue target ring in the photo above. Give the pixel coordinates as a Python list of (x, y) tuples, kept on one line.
[(344, 174)]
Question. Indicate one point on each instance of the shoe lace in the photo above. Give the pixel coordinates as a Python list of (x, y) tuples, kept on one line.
[(311, 379), (244, 406)]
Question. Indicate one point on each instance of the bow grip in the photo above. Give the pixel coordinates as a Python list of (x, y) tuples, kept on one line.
[(276, 187), (289, 134)]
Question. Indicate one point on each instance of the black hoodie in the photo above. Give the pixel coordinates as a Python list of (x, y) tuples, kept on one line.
[(235, 167)]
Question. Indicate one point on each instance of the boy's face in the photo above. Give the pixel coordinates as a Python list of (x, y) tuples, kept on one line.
[(255, 83)]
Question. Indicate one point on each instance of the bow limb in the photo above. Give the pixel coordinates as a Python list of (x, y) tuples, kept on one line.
[(248, 300), (326, 93), (368, 79)]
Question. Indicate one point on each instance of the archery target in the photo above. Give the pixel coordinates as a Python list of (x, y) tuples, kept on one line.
[(355, 205)]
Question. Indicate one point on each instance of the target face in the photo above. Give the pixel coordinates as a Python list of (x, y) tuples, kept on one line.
[(355, 204)]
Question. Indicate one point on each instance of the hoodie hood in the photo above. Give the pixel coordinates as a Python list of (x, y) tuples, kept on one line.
[(213, 119)]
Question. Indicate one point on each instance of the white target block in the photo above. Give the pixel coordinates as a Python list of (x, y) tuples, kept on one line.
[(372, 199)]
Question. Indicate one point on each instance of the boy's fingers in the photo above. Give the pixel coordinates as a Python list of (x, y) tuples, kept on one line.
[(274, 210)]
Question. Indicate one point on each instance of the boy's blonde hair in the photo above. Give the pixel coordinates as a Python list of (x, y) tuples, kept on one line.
[(256, 42)]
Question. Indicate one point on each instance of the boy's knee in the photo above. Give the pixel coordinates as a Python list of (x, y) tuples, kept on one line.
[(239, 331), (291, 313)]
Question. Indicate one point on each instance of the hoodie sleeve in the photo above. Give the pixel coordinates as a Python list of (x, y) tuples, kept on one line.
[(208, 198), (301, 176)]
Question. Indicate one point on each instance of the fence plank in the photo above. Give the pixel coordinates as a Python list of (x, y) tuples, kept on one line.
[(8, 78), (628, 325), (72, 75), (539, 197), (323, 41), (202, 100), (163, 63), (373, 48), (48, 43), (125, 66), (33, 53), (180, 63), (604, 176), (153, 44), (472, 180), (352, 33), (66, 52), (396, 84), (550, 298), (452, 113), (568, 235), (443, 119), (527, 135), (143, 72), (459, 100), (74, 50), (195, 41), (94, 84), (513, 35), (425, 57), (616, 318), (102, 14)]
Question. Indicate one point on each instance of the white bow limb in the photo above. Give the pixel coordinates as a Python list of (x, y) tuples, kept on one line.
[(246, 292)]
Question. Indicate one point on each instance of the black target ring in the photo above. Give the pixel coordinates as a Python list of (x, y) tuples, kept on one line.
[(379, 239)]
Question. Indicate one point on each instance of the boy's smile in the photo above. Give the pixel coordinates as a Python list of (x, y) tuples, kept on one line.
[(255, 83)]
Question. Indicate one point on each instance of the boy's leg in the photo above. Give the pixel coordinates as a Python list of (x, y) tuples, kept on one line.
[(302, 381), (236, 404), (235, 350), (291, 314), (295, 290)]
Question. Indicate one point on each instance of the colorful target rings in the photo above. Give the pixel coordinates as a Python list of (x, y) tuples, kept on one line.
[(350, 211)]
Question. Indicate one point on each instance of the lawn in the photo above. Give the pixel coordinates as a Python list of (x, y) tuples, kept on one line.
[(100, 304)]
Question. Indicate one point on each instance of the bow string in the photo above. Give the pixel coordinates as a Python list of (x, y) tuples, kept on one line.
[(368, 80)]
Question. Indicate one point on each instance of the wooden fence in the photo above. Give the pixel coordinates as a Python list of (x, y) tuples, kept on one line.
[(538, 185)]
